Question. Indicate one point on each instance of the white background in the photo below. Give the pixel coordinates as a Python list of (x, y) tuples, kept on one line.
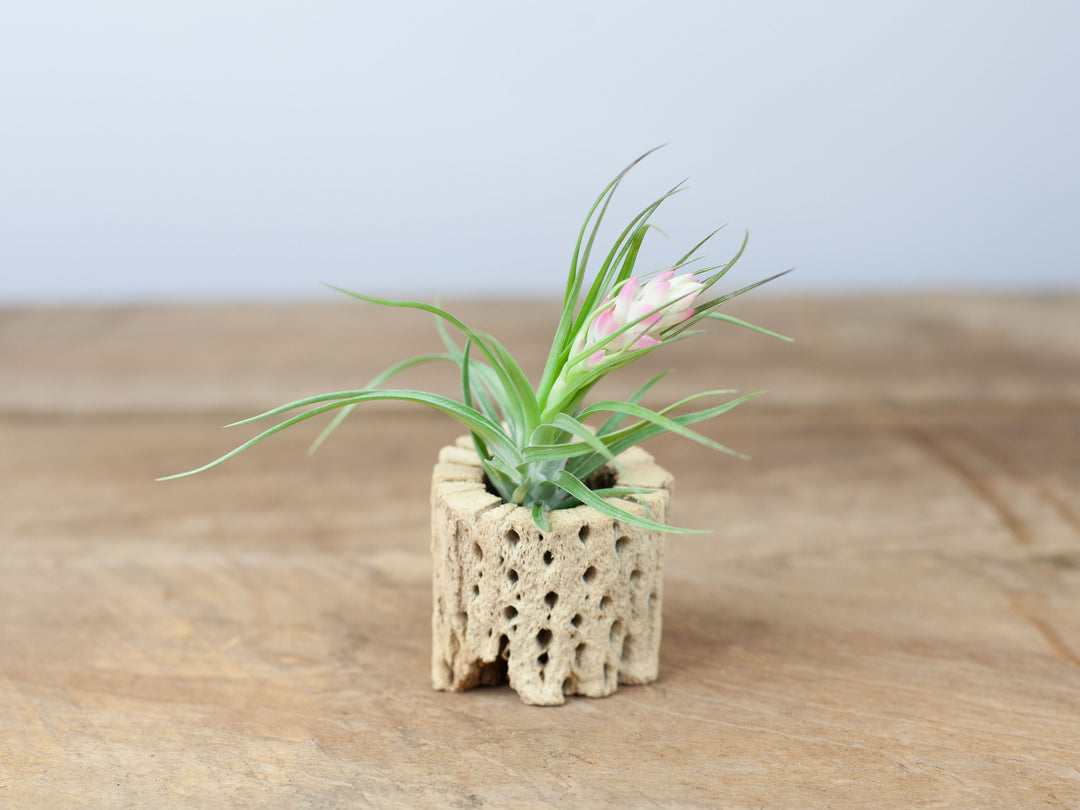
[(219, 150)]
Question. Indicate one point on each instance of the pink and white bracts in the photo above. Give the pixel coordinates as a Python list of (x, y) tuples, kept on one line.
[(651, 309)]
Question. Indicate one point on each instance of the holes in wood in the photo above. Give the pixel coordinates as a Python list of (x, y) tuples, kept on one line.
[(621, 544), (511, 538), (589, 575), (510, 612), (477, 552), (576, 621), (543, 638), (551, 599), (583, 534), (549, 558), (616, 631), (493, 673), (512, 575)]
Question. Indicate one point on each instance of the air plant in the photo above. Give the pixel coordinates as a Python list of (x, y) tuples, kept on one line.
[(533, 442)]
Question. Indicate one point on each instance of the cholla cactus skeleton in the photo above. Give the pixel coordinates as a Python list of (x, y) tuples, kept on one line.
[(534, 445)]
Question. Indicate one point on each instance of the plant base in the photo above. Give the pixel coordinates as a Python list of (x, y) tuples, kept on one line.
[(572, 611)]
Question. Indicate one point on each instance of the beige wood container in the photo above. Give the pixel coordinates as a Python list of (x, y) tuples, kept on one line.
[(572, 611)]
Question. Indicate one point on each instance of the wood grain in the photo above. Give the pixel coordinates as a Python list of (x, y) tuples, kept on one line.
[(887, 613)]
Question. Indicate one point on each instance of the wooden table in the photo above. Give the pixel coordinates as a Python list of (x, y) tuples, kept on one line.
[(887, 613)]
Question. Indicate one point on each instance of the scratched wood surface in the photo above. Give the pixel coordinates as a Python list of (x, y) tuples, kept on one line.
[(886, 614)]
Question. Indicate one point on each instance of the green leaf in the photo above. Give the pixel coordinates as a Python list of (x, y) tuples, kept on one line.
[(704, 309), (687, 257), (509, 405), (627, 258), (539, 453), (617, 419), (575, 281), (488, 430), (578, 489), (584, 461), (339, 417), (540, 517), (466, 393), (502, 484), (602, 283), (648, 415), (576, 428), (642, 431), (731, 319), (497, 479), (722, 270), (620, 492), (491, 391), (511, 472), (520, 383), (378, 380)]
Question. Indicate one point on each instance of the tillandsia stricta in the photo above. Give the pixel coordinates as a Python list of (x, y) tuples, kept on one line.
[(533, 443)]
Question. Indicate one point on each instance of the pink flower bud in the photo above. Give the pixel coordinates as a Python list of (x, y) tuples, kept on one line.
[(625, 298), (605, 324), (640, 314), (644, 342), (679, 292)]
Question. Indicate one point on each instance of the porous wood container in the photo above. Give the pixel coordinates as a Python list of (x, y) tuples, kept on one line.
[(571, 611)]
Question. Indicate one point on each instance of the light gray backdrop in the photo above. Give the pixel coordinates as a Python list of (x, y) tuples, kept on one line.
[(208, 149)]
